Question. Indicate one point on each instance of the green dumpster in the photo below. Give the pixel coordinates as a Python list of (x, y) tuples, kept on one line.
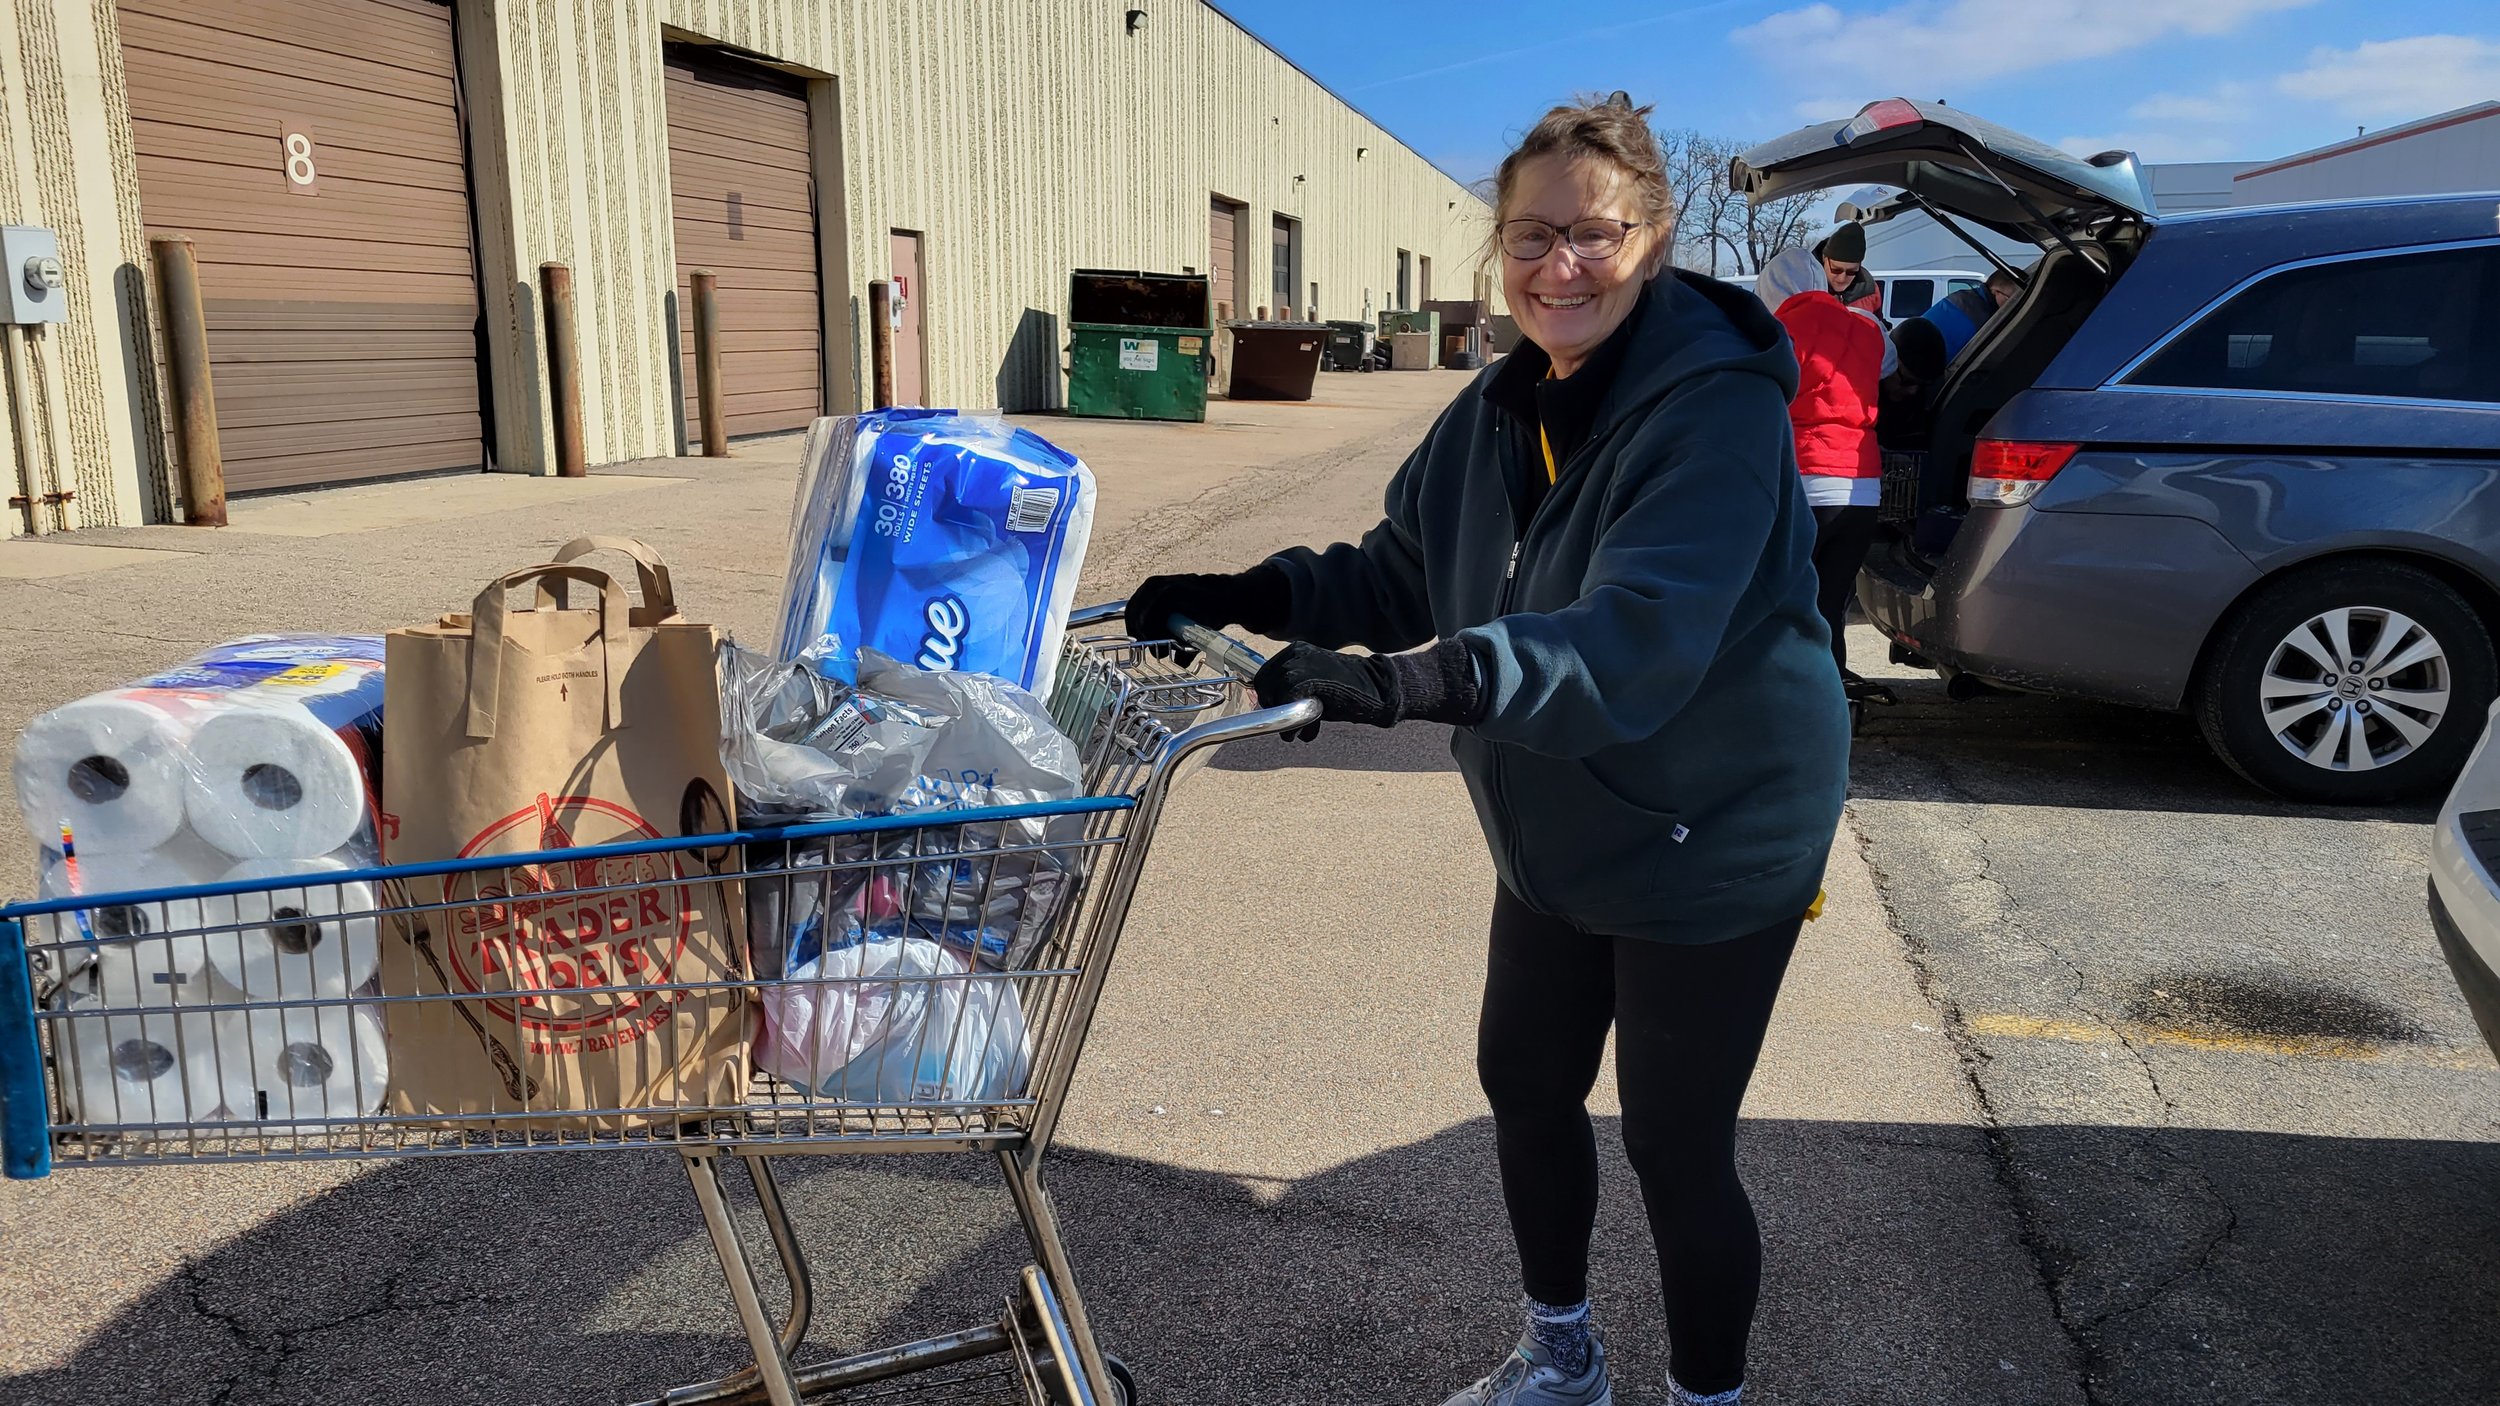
[(1138, 345)]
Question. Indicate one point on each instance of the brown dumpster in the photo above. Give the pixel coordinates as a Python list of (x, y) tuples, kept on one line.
[(1276, 360)]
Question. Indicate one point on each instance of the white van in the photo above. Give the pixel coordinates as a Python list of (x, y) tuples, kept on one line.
[(1907, 292)]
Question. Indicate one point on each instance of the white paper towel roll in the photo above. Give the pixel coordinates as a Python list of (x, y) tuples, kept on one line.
[(304, 948), (273, 782), (146, 954), (308, 1062), (111, 766), (143, 1067)]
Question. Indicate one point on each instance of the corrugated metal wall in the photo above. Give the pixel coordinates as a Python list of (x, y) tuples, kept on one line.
[(66, 162), (1023, 138)]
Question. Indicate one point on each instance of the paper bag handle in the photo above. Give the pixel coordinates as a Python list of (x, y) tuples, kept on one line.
[(486, 641), (659, 593)]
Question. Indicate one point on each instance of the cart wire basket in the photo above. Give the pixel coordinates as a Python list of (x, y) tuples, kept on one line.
[(908, 984)]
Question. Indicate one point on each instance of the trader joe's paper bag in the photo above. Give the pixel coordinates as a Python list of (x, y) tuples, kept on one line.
[(581, 988)]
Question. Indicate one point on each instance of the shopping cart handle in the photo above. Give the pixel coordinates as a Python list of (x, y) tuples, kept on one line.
[(1236, 658)]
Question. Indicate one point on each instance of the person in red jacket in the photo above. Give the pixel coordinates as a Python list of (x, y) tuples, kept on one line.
[(1840, 359)]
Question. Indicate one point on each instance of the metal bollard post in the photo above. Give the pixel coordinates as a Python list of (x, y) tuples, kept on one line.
[(186, 368), (707, 387), (881, 341), (564, 366)]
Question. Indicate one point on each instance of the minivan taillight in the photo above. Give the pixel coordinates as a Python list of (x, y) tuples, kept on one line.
[(2009, 472), (1882, 116)]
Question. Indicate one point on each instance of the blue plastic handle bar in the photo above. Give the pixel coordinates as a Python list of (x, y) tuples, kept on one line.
[(25, 1121), (868, 825)]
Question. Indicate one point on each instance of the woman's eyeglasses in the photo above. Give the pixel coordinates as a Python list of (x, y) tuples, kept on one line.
[(1530, 240)]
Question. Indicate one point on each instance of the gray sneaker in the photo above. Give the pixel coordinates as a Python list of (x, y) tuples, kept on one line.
[(1528, 1378)]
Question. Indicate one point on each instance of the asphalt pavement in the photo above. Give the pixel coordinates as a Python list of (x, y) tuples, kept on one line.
[(2103, 1081)]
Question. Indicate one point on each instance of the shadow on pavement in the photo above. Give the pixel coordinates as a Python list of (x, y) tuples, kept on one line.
[(2029, 749), (2351, 1271), (1411, 747), (1346, 746)]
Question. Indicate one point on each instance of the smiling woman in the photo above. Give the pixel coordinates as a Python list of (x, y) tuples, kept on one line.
[(1597, 568), (1584, 221)]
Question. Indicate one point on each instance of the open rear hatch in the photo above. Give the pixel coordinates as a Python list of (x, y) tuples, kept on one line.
[(2081, 211), (1968, 168)]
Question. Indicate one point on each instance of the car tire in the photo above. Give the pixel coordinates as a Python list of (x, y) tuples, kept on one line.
[(2303, 735)]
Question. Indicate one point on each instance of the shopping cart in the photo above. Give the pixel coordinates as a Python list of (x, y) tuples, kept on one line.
[(106, 1062)]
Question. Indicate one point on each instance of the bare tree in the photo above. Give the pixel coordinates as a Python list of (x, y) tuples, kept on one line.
[(1710, 215), (1775, 226)]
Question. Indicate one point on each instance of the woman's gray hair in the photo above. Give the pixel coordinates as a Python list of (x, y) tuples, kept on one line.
[(1610, 129)]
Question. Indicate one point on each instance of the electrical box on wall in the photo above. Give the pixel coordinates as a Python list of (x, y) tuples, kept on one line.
[(30, 263)]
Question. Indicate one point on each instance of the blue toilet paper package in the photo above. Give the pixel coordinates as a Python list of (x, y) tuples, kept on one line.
[(946, 540)]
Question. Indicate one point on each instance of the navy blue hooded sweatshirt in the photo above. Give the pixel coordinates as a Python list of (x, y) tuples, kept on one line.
[(1664, 746)]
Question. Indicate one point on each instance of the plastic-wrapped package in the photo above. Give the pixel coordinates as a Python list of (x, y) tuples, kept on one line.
[(889, 1018), (267, 747), (800, 746), (253, 761), (946, 540)]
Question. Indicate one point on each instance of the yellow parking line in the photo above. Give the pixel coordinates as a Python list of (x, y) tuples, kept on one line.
[(2076, 1032)]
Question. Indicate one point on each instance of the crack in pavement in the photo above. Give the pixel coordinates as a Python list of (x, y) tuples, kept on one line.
[(2151, 1141), (2054, 1258), (270, 1349), (1158, 535), (1972, 1058)]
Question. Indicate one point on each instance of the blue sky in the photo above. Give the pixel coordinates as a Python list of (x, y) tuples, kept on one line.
[(2174, 80)]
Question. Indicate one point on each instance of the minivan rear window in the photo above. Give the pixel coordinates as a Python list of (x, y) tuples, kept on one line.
[(2422, 326), (1912, 296)]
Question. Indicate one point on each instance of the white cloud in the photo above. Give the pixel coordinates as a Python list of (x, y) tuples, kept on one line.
[(2227, 105), (1968, 42), (1827, 109), (2208, 126), (2400, 78), (2153, 146)]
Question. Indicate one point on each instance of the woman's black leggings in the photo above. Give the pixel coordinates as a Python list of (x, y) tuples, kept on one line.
[(1688, 1024)]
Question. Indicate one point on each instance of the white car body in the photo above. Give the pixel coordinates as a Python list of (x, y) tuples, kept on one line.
[(2465, 893)]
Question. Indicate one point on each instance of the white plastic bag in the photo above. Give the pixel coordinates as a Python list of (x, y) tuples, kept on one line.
[(889, 1019)]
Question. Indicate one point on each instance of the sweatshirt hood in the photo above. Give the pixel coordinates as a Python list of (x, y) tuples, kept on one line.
[(1687, 325), (1790, 272)]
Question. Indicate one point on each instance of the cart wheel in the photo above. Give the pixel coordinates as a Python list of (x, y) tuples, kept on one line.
[(1122, 1379)]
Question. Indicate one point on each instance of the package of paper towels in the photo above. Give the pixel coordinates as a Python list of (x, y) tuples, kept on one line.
[(945, 540), (266, 747)]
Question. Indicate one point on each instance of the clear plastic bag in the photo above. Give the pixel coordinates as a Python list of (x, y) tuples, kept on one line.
[(903, 741), (945, 540)]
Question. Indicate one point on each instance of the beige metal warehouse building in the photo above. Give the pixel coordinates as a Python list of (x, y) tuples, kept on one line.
[(372, 185)]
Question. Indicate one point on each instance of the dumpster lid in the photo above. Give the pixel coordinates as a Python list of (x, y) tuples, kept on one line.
[(1126, 297)]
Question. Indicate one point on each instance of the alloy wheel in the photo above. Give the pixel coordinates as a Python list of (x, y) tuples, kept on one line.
[(2355, 688)]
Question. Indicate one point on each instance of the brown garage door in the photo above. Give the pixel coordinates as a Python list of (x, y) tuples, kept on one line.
[(739, 180), (311, 149), (1223, 250)]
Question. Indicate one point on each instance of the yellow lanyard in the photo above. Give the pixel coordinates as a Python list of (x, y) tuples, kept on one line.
[(1546, 444)]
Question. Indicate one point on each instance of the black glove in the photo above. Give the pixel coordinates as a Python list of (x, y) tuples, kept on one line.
[(1258, 600), (1432, 685)]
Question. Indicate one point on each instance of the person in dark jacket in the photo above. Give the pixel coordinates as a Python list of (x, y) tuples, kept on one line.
[(1843, 256), (1597, 567)]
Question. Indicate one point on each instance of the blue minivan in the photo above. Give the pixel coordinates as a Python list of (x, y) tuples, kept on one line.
[(2243, 463)]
